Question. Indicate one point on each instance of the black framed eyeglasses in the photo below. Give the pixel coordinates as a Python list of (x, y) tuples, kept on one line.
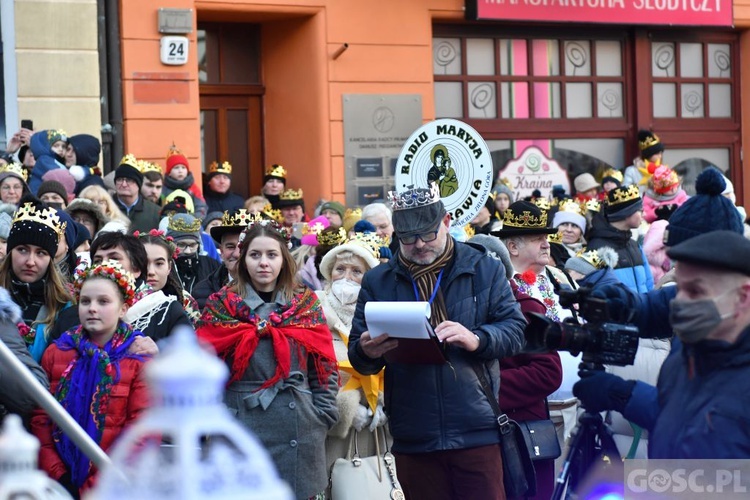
[(425, 237)]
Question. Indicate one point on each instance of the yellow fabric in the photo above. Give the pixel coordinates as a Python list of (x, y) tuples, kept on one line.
[(371, 385)]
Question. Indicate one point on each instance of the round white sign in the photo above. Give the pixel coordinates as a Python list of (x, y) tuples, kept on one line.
[(453, 155)]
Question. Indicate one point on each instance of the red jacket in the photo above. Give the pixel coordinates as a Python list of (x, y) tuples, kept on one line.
[(128, 399), (527, 379)]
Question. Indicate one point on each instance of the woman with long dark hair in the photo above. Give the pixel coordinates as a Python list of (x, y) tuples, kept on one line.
[(30, 274), (272, 333)]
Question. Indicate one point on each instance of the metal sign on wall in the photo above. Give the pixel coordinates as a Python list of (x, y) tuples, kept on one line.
[(661, 12), (376, 126)]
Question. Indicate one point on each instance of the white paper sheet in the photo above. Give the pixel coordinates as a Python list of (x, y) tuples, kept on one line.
[(406, 320)]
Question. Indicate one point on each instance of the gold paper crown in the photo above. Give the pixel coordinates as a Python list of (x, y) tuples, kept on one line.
[(183, 227), (173, 151), (542, 203), (525, 220), (570, 206), (623, 195), (56, 132), (131, 160), (593, 206), (241, 218), (369, 241), (353, 212), (291, 195), (272, 213), (414, 197), (615, 174), (469, 230), (47, 216), (648, 142), (315, 228), (224, 168), (16, 168), (146, 166), (332, 238), (555, 238), (276, 171), (592, 257), (506, 182)]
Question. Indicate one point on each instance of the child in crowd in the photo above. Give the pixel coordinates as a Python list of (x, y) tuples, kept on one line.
[(178, 176), (92, 375), (49, 148), (665, 188)]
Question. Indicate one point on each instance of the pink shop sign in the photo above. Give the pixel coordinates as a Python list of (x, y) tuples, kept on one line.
[(533, 170), (661, 12)]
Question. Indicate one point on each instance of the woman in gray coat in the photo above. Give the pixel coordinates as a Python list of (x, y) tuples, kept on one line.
[(273, 335)]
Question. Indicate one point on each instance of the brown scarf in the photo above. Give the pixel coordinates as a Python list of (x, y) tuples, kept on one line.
[(425, 278)]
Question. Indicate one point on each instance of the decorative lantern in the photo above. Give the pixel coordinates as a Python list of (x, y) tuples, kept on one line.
[(19, 477), (187, 445)]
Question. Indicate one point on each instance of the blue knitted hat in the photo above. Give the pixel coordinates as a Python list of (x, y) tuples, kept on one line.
[(707, 211)]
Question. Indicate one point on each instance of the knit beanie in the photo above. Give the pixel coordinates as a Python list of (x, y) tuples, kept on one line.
[(175, 157), (275, 172), (364, 226), (622, 202), (36, 224), (313, 228), (504, 188), (71, 231), (212, 216), (664, 179), (65, 178), (649, 144), (54, 135), (82, 235), (707, 211), (335, 206), (129, 172), (52, 187), (184, 226), (586, 262)]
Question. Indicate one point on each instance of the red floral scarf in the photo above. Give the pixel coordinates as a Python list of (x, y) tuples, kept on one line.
[(234, 330)]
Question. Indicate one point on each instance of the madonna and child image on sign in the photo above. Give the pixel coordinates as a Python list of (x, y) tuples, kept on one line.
[(453, 155)]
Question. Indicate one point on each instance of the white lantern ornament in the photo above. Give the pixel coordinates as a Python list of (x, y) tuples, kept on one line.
[(19, 476), (187, 446)]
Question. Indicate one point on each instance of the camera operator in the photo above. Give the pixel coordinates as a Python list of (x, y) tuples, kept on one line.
[(698, 409)]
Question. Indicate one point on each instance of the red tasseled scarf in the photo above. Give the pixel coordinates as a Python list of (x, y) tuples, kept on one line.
[(234, 330)]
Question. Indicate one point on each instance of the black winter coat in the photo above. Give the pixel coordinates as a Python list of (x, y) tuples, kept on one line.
[(443, 407), (212, 284), (194, 269), (228, 201)]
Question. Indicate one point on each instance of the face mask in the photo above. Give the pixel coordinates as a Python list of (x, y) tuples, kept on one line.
[(345, 290), (694, 320), (187, 263)]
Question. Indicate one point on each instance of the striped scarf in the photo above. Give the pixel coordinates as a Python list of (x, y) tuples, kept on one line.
[(425, 278)]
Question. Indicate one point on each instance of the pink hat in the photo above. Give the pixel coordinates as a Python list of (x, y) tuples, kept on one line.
[(664, 179), (314, 227), (65, 178)]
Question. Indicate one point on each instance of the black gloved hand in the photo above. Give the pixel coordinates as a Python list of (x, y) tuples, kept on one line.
[(602, 391), (621, 302)]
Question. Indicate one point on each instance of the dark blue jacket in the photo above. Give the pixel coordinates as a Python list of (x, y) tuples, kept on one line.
[(632, 267), (228, 201), (703, 401), (443, 407), (45, 159), (87, 149)]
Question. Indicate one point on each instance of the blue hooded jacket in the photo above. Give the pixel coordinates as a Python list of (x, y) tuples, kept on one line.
[(45, 159), (87, 149)]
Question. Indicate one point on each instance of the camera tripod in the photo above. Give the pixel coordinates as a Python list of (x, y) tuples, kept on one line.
[(592, 440)]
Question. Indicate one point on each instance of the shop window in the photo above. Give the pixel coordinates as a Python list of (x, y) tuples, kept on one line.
[(691, 80), (487, 78)]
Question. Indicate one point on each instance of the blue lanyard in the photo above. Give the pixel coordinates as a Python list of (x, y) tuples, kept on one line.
[(434, 291)]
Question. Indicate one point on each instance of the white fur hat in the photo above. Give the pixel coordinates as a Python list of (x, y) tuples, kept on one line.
[(360, 247)]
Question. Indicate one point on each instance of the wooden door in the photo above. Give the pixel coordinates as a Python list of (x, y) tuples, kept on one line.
[(231, 130)]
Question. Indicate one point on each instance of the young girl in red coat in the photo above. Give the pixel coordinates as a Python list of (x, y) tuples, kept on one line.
[(93, 375)]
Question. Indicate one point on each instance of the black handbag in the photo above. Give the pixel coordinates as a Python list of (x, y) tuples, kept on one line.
[(519, 476), (541, 439)]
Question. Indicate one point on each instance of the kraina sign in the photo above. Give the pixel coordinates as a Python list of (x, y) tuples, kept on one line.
[(661, 12), (453, 155), (533, 170)]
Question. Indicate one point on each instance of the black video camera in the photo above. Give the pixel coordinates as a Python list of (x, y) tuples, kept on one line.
[(602, 342)]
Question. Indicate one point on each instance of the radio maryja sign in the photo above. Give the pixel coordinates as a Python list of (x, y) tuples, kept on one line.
[(661, 12), (453, 155), (533, 170)]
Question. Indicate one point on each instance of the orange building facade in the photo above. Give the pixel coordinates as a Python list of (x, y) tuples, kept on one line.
[(265, 83)]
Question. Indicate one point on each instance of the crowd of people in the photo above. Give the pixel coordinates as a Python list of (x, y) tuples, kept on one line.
[(95, 270)]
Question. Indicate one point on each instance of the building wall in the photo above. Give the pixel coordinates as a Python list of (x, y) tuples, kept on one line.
[(57, 65), (389, 52)]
